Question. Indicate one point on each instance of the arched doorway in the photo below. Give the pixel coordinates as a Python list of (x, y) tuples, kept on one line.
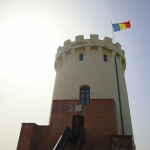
[(77, 125)]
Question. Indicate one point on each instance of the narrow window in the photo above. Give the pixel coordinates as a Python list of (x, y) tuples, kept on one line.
[(105, 57), (80, 57), (85, 95)]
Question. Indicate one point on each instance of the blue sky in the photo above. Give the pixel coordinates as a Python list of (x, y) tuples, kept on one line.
[(30, 33)]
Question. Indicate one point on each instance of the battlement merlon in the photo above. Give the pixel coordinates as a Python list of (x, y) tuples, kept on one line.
[(93, 41)]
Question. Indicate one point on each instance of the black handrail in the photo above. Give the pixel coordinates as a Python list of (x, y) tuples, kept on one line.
[(81, 139), (62, 140)]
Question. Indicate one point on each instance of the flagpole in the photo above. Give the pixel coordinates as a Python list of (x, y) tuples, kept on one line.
[(112, 33), (118, 87)]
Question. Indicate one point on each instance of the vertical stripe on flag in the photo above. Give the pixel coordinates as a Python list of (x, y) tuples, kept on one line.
[(116, 27), (122, 26)]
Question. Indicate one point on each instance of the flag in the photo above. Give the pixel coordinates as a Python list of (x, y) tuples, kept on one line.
[(121, 26)]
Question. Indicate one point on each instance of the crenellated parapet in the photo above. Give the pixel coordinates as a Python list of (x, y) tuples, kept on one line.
[(72, 50), (92, 42)]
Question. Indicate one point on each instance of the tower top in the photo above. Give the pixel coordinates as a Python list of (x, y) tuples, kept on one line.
[(92, 42)]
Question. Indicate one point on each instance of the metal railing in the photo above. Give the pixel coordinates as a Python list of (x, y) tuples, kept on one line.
[(81, 140), (62, 140)]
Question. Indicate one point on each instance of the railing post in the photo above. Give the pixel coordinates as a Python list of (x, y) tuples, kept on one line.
[(66, 134), (81, 139)]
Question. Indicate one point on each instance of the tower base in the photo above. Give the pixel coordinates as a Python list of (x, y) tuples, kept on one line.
[(98, 119)]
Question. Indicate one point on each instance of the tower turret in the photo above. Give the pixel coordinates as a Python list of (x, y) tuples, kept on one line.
[(99, 65)]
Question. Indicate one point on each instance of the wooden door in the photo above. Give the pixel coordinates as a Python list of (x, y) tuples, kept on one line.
[(78, 124)]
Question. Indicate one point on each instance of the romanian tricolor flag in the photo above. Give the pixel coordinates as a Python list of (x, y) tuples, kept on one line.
[(121, 26)]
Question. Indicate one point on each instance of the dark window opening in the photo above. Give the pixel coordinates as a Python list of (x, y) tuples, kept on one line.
[(80, 57), (105, 57), (85, 95)]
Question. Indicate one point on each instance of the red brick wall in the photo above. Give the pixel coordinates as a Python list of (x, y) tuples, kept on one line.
[(99, 119), (27, 135), (121, 142), (99, 122)]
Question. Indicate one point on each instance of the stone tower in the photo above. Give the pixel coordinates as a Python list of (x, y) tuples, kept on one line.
[(90, 108)]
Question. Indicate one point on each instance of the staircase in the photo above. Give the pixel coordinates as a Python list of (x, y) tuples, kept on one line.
[(70, 144), (67, 143)]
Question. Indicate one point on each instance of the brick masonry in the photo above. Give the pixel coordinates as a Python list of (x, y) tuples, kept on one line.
[(99, 122), (121, 142)]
